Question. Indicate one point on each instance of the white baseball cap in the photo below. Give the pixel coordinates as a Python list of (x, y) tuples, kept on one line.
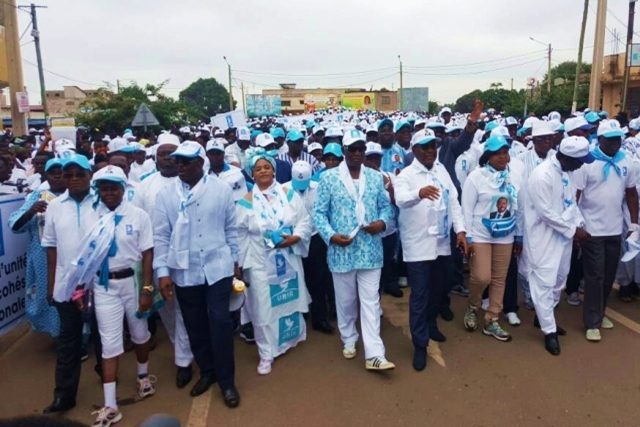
[(190, 149), (541, 128), (333, 132), (425, 136), (110, 173), (573, 123), (264, 139), (576, 147), (300, 175), (216, 144), (610, 129), (314, 146), (352, 137), (244, 134), (373, 148), (501, 131), (510, 121), (169, 139)]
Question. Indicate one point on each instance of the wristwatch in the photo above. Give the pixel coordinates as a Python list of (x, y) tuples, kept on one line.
[(148, 288)]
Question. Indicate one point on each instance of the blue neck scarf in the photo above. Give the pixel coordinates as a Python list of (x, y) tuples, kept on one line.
[(113, 250), (609, 162)]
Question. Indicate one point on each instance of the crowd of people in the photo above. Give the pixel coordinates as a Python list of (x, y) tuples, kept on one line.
[(261, 229)]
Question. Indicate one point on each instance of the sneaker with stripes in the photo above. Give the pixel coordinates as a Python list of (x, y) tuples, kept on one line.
[(379, 363), (106, 417)]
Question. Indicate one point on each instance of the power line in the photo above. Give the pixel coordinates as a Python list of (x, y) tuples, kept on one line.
[(315, 75), (491, 61), (476, 72), (25, 31), (368, 81), (62, 75)]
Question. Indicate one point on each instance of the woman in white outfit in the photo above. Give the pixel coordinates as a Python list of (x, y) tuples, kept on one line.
[(274, 230)]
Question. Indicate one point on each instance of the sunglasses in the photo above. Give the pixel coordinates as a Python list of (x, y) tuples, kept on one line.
[(356, 149)]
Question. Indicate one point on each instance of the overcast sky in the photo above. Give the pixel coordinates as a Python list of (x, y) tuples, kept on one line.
[(451, 47)]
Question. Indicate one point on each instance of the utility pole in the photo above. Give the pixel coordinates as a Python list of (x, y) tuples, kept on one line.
[(511, 83), (400, 90), (627, 59), (36, 40), (574, 103), (549, 69), (230, 95), (118, 86), (244, 100), (9, 19), (598, 52)]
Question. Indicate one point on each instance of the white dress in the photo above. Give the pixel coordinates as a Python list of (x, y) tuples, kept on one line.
[(277, 294)]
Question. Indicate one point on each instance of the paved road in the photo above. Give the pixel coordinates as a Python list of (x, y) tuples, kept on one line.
[(471, 380)]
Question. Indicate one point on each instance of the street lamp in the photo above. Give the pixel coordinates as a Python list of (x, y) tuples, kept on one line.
[(230, 95), (548, 61)]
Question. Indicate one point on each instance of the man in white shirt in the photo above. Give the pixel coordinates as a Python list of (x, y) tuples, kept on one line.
[(602, 188), (552, 221), (230, 174), (146, 195), (236, 152), (201, 264), (65, 219), (428, 202)]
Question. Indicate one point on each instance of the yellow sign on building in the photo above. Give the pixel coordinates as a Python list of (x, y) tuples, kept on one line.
[(359, 100), (4, 73)]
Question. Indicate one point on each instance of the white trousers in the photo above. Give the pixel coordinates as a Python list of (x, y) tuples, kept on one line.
[(546, 282), (171, 316), (353, 287), (111, 306)]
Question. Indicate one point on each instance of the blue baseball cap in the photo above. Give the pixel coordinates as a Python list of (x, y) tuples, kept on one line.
[(277, 132), (401, 124), (300, 175), (491, 125), (77, 160), (334, 149), (294, 135), (385, 122), (52, 163), (495, 143), (592, 117), (310, 124)]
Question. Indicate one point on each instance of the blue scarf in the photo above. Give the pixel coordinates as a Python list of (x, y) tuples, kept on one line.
[(609, 162), (113, 250)]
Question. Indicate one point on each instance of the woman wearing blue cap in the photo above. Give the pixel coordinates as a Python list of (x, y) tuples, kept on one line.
[(492, 219), (274, 230), (30, 219)]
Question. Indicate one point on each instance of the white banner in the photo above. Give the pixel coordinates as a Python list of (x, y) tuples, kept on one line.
[(13, 266), (233, 119)]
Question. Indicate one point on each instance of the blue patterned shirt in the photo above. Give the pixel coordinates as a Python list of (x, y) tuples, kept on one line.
[(334, 212), (393, 159)]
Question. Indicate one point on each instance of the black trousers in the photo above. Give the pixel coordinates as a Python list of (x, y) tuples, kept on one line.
[(389, 274), (205, 310), (576, 271), (600, 256), (68, 351), (318, 278), (427, 280)]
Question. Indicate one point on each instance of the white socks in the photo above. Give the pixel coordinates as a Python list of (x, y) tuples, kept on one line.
[(143, 369), (110, 395)]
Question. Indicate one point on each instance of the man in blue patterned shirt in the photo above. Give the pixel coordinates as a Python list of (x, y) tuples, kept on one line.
[(350, 211)]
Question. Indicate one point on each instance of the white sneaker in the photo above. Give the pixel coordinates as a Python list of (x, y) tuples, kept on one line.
[(593, 335), (264, 367), (513, 319), (606, 323), (349, 351), (485, 304), (146, 386), (402, 282), (106, 417), (574, 299), (378, 364)]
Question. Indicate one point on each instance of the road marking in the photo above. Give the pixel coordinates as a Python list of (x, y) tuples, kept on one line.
[(623, 320), (200, 410)]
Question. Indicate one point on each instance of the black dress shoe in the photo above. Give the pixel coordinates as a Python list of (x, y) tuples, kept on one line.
[(202, 385), (559, 330), (58, 405), (394, 292), (231, 397), (419, 358), (324, 327), (436, 335), (183, 376), (551, 344), (446, 314)]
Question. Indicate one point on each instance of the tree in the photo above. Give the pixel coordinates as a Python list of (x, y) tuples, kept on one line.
[(114, 111), (207, 97), (464, 104), (434, 107)]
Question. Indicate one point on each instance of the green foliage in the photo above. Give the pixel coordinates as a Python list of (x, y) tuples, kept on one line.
[(434, 107), (115, 111), (512, 102), (207, 97)]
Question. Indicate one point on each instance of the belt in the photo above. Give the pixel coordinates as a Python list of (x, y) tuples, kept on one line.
[(121, 274)]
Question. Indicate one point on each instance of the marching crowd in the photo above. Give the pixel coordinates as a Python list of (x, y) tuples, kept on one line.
[(261, 229)]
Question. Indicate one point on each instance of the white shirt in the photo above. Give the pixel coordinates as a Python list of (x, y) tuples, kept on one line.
[(64, 225), (134, 234), (233, 153), (148, 190), (465, 164), (233, 176), (601, 201), (419, 241), (479, 201), (137, 170), (308, 197)]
